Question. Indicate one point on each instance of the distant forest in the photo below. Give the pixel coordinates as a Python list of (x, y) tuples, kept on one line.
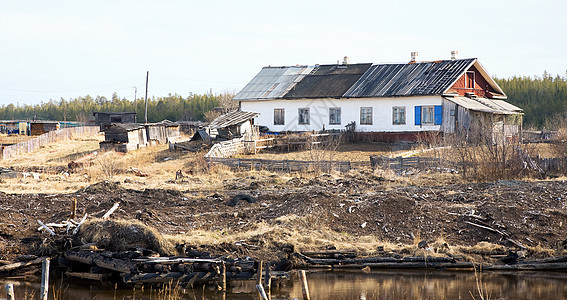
[(543, 99), (172, 107)]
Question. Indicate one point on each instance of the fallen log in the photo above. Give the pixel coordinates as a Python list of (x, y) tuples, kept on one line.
[(92, 258), (90, 276), (19, 265)]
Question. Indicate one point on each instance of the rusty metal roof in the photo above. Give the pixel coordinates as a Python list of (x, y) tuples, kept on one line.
[(421, 78), (273, 82), (328, 81), (232, 118)]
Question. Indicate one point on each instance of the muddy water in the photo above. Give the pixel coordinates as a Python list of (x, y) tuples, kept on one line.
[(345, 285)]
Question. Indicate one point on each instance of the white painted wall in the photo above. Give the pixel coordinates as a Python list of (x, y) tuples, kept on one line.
[(382, 109)]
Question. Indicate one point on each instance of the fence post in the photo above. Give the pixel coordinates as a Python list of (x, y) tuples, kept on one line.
[(44, 279)]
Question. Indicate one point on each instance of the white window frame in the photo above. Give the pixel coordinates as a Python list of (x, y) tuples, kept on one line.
[(282, 111), (303, 120), (428, 115), (337, 115), (366, 115), (399, 115)]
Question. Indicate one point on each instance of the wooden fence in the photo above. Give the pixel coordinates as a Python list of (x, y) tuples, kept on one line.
[(404, 162), (285, 165), (47, 138)]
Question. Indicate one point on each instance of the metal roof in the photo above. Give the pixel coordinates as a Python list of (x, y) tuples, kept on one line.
[(232, 118), (486, 105), (273, 82), (328, 81), (421, 78)]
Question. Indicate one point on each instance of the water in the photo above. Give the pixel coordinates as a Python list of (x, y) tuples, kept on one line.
[(345, 285)]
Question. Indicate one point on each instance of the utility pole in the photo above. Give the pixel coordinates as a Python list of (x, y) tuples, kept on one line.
[(146, 99)]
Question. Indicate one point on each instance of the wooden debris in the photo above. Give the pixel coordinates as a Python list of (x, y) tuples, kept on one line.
[(46, 228), (110, 211), (19, 265)]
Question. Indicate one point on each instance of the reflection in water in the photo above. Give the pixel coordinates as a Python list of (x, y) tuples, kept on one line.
[(347, 285)]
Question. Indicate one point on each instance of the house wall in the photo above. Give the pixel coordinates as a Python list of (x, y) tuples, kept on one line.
[(382, 113), (481, 86)]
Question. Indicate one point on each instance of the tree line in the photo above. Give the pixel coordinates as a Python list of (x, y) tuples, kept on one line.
[(194, 107), (543, 99)]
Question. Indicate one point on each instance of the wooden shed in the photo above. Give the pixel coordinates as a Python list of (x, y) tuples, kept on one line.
[(124, 137), (41, 127), (233, 124), (162, 132), (105, 119), (482, 118)]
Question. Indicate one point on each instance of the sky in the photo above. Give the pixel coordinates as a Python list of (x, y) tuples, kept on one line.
[(68, 49)]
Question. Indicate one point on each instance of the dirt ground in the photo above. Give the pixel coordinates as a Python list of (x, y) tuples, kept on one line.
[(361, 210)]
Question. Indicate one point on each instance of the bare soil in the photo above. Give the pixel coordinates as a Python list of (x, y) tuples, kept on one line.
[(358, 205)]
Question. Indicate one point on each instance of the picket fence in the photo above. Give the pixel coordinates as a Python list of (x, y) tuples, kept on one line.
[(47, 138)]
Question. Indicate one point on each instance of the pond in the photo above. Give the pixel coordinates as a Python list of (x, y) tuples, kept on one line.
[(383, 284)]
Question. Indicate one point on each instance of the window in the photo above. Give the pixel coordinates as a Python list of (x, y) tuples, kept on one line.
[(470, 80), (303, 116), (279, 116), (399, 115), (115, 119), (366, 115), (335, 116), (429, 115)]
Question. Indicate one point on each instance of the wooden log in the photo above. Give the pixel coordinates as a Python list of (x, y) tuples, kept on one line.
[(19, 265), (92, 258), (10, 291), (73, 208), (223, 276), (261, 291), (110, 211), (154, 277), (90, 276), (268, 279), (79, 225), (304, 286), (45, 279), (46, 228)]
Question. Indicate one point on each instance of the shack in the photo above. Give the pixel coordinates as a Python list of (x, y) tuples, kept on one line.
[(105, 119), (233, 124), (162, 132), (41, 127), (479, 119), (124, 137)]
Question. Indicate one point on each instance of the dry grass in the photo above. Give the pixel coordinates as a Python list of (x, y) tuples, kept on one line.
[(121, 235)]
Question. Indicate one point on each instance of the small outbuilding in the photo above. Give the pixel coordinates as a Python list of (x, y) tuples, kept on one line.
[(233, 124), (162, 132), (41, 127), (105, 119), (124, 137)]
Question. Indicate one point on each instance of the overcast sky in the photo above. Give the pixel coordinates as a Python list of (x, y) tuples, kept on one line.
[(53, 49)]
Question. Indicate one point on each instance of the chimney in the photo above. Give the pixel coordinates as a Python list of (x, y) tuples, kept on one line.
[(454, 54), (346, 60), (414, 57)]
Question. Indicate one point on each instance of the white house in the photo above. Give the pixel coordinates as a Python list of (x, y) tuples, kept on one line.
[(386, 101)]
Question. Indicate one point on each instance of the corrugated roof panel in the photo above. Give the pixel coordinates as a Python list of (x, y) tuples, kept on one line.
[(232, 118), (327, 81), (423, 78), (484, 105), (273, 82)]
